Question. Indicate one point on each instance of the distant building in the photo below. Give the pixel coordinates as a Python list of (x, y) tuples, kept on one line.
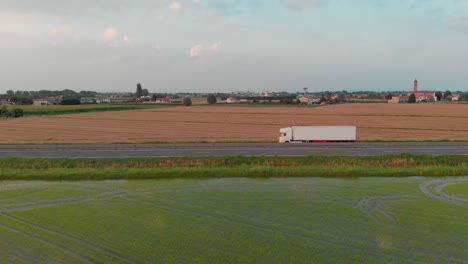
[(231, 100), (394, 100), (305, 99), (164, 100), (46, 101), (422, 96)]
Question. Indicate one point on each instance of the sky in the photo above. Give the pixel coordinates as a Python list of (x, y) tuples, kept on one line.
[(233, 45)]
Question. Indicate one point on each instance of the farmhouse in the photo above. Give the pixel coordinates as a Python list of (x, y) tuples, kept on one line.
[(45, 101), (164, 100), (231, 100)]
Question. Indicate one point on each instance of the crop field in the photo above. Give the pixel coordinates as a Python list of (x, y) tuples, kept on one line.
[(236, 220), (33, 110), (240, 124)]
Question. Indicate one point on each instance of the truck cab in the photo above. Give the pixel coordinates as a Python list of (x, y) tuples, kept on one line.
[(285, 135)]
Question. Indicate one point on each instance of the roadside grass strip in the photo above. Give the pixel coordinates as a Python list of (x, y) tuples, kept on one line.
[(237, 166)]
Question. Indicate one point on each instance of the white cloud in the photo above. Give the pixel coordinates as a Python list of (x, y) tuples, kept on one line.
[(231, 20), (196, 51), (157, 48), (110, 34), (80, 8), (61, 35), (61, 31), (176, 7), (461, 21), (126, 39), (302, 4), (210, 17), (197, 2), (215, 47)]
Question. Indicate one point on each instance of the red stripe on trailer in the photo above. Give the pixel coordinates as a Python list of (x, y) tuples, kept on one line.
[(319, 141)]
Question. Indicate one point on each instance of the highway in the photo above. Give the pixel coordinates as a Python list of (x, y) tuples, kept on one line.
[(231, 149)]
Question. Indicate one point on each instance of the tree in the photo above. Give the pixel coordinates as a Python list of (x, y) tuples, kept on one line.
[(322, 99), (21, 100), (17, 113), (389, 96), (187, 101), (447, 94), (211, 99), (70, 101), (463, 97), (145, 92), (4, 112), (438, 95), (139, 91), (412, 98), (10, 93)]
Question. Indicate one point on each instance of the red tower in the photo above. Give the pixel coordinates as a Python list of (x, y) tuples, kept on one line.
[(415, 88)]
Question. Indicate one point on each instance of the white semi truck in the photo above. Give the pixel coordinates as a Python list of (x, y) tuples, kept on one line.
[(302, 134)]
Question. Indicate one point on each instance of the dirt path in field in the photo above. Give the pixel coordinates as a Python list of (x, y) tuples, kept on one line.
[(228, 123)]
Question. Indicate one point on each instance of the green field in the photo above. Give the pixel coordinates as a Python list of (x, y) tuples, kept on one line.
[(236, 220), (31, 110)]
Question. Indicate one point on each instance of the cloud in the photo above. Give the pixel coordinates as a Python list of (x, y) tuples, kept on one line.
[(110, 34), (303, 4), (215, 47), (61, 31), (176, 7), (197, 2), (210, 17), (157, 48), (61, 35), (196, 51), (126, 39), (79, 8), (461, 21)]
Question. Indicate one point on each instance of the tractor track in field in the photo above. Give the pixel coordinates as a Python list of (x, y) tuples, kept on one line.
[(49, 243), (11, 207), (371, 204), (435, 189), (75, 239), (266, 226)]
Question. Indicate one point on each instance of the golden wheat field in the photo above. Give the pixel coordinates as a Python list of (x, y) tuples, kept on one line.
[(240, 123)]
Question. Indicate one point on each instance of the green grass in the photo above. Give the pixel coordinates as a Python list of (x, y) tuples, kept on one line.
[(235, 220), (459, 190), (237, 166), (74, 109)]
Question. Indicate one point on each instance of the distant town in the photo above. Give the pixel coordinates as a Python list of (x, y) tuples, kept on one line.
[(304, 97)]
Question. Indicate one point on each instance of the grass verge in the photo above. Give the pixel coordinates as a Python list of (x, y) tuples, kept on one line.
[(238, 166)]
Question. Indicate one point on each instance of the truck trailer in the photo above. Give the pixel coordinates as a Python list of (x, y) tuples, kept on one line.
[(319, 134)]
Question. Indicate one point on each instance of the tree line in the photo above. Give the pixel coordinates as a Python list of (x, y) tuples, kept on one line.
[(47, 93)]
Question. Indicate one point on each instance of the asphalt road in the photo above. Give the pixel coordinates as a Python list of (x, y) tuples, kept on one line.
[(232, 149)]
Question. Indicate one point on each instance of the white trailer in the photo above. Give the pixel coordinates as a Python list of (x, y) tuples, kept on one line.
[(317, 134)]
